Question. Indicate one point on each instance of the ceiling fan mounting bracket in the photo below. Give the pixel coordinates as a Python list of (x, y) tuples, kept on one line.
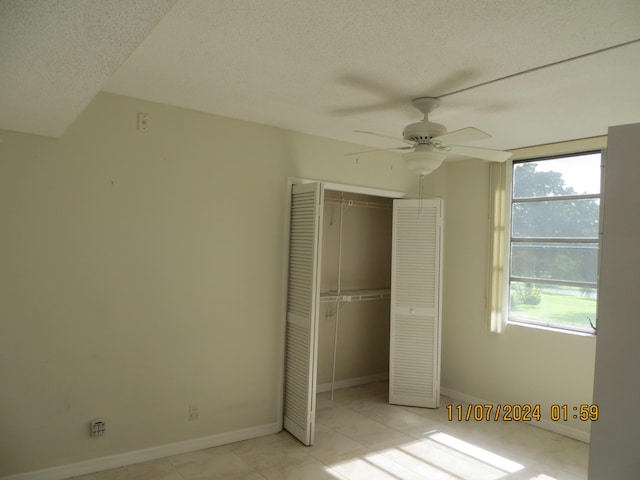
[(426, 104)]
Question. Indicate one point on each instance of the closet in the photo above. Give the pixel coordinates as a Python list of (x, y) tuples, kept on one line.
[(355, 288), (363, 297)]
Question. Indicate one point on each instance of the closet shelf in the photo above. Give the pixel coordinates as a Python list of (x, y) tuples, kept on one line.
[(354, 295), (358, 203)]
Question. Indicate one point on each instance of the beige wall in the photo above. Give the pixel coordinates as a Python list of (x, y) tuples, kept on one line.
[(521, 365), (142, 273), (614, 440)]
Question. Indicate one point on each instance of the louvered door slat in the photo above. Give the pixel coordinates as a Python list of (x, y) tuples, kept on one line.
[(302, 311), (414, 376)]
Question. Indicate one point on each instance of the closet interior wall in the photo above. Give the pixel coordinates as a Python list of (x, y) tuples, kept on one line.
[(355, 256)]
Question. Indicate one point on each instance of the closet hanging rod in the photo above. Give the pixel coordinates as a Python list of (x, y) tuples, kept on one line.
[(358, 203), (355, 295)]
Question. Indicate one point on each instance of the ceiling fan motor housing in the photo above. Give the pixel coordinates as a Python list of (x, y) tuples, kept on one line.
[(422, 132)]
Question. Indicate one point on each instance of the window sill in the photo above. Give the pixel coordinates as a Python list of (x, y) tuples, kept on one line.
[(550, 328)]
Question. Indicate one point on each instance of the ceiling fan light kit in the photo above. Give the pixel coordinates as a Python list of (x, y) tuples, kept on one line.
[(423, 160)]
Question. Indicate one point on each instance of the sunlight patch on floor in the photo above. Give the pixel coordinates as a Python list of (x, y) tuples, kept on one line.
[(476, 452), (438, 456)]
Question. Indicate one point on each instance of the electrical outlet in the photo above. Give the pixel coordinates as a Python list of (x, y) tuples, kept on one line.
[(97, 427), (193, 412)]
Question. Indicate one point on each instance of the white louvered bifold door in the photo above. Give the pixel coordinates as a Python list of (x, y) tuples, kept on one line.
[(414, 362), (302, 310)]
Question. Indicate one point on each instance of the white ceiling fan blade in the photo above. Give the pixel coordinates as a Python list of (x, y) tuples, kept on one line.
[(378, 150), (463, 135), (384, 136), (475, 152)]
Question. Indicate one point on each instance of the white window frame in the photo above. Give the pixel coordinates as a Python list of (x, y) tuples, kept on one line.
[(508, 278)]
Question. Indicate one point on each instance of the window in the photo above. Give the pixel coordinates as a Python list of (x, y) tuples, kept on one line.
[(554, 241)]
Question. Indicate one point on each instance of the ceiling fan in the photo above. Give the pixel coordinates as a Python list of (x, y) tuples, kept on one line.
[(430, 143)]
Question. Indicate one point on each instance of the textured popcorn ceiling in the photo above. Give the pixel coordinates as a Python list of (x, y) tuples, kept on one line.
[(329, 67), (56, 55)]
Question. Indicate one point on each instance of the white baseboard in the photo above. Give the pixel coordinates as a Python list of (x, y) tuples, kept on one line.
[(352, 382), (545, 424), (128, 458)]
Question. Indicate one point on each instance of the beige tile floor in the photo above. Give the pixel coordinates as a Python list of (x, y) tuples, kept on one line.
[(359, 436)]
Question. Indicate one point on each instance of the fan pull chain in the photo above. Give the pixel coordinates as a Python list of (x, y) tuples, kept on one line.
[(420, 194)]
